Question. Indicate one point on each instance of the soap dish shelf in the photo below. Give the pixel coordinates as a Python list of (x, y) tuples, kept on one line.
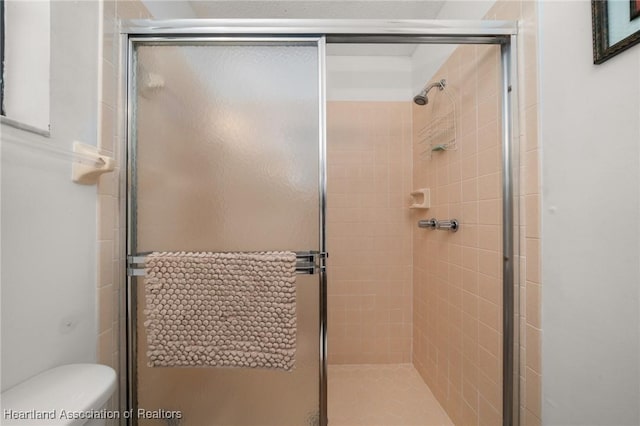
[(421, 199)]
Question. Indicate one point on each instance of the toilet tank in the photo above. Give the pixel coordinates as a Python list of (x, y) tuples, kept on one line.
[(73, 394)]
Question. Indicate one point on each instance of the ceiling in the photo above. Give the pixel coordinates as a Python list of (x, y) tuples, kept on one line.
[(318, 9)]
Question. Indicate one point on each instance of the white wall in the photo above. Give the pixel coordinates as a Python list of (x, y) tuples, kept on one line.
[(49, 223), (369, 78), (590, 134), (393, 78), (427, 59)]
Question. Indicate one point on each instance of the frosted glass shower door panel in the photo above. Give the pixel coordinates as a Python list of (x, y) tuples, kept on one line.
[(226, 157)]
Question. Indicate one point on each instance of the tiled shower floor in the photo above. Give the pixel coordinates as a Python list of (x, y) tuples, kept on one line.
[(381, 395)]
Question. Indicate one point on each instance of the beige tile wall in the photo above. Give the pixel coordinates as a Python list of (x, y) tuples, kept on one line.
[(368, 232), (530, 271), (529, 198), (111, 207), (457, 277)]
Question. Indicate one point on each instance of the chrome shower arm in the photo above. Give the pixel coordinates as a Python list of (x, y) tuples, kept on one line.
[(439, 84)]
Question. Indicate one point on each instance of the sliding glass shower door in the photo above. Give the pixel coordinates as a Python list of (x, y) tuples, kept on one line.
[(225, 155)]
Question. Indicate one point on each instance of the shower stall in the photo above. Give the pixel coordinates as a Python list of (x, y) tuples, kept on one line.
[(233, 146)]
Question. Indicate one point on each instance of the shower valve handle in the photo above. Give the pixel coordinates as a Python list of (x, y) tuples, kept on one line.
[(450, 225), (428, 223)]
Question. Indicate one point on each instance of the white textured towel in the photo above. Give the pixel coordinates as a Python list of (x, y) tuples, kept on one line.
[(221, 309)]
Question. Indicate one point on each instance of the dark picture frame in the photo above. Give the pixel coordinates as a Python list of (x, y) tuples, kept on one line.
[(634, 9), (602, 50)]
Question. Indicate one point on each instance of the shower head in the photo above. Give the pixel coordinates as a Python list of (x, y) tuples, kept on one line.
[(422, 99)]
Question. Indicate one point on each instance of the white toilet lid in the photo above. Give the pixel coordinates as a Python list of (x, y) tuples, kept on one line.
[(66, 395)]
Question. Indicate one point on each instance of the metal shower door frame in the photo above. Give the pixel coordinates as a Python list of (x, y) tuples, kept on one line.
[(133, 40), (502, 33)]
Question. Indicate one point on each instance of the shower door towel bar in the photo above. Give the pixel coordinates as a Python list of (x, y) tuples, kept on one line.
[(308, 263)]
